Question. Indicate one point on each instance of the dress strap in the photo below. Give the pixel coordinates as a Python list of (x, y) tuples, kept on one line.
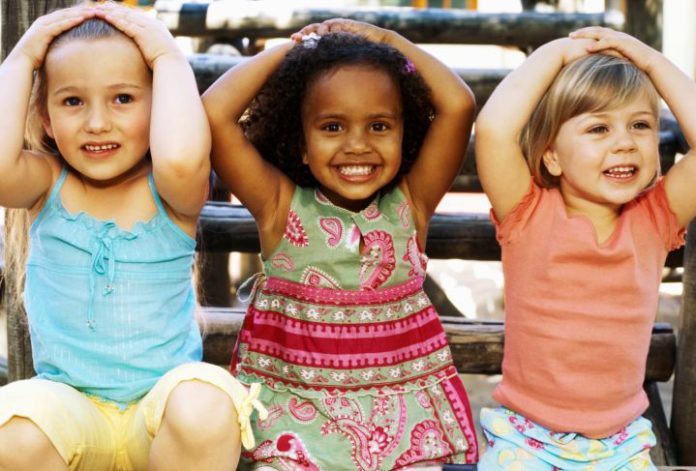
[(254, 280), (58, 185), (155, 195)]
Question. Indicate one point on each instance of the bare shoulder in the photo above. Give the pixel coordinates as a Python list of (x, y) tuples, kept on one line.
[(52, 166)]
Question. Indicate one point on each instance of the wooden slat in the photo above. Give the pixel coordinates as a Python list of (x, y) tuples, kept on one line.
[(683, 421), (233, 19), (208, 67), (664, 451), (225, 227), (477, 347)]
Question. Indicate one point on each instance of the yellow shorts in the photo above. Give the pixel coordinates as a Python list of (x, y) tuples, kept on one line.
[(92, 434)]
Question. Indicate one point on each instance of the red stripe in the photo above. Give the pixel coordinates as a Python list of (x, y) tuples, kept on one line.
[(346, 361), (341, 297), (336, 345)]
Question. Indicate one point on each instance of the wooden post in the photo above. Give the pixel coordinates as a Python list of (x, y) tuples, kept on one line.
[(644, 21), (213, 267), (16, 17), (683, 421)]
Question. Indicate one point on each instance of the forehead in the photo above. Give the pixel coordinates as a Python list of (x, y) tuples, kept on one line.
[(639, 105), (353, 88), (96, 62)]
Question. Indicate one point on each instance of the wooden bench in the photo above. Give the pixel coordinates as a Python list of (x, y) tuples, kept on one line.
[(230, 20), (477, 346)]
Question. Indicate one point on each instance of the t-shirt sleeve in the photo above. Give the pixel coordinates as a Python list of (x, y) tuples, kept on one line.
[(662, 216), (508, 229)]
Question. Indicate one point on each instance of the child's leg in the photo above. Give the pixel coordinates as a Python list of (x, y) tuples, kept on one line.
[(49, 425), (190, 420), (198, 431), (23, 446)]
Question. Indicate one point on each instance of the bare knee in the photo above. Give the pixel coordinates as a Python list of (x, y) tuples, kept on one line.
[(200, 414), (24, 446)]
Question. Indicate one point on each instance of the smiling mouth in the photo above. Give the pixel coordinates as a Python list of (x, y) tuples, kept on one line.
[(100, 148), (621, 172), (356, 170)]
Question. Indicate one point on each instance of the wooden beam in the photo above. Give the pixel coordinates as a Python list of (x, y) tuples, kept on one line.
[(17, 16), (683, 421), (226, 227), (209, 67), (231, 19), (477, 346), (644, 21)]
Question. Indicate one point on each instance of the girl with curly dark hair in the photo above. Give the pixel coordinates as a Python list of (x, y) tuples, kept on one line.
[(341, 144)]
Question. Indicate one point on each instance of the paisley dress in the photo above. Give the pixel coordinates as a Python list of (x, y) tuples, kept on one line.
[(355, 366)]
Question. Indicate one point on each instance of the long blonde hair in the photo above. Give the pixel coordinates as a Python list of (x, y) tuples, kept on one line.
[(17, 220), (590, 84)]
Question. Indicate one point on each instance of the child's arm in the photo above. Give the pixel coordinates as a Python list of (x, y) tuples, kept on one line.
[(501, 166), (258, 184), (444, 146), (678, 91), (26, 176), (179, 133)]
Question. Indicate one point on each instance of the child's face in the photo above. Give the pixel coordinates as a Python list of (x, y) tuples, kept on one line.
[(99, 96), (606, 157), (353, 128)]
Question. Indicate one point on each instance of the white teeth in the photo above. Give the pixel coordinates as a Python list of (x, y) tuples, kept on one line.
[(355, 170), (624, 171), (100, 148)]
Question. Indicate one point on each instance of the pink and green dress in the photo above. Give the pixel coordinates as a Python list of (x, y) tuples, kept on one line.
[(355, 366)]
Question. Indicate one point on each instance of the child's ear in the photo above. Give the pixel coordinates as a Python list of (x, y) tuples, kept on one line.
[(550, 160), (47, 127)]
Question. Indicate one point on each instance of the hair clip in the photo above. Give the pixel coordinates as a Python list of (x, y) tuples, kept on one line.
[(409, 68), (310, 40)]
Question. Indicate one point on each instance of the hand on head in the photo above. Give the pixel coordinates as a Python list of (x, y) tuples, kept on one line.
[(152, 36), (617, 43), (342, 25), (34, 43)]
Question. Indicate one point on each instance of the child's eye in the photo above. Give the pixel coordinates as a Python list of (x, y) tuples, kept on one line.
[(72, 101), (599, 129), (642, 125), (379, 126), (123, 98), (331, 127)]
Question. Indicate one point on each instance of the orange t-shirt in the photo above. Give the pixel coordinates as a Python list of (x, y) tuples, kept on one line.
[(579, 314)]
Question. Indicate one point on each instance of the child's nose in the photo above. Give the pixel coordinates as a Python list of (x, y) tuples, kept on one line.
[(357, 142), (98, 119), (625, 141)]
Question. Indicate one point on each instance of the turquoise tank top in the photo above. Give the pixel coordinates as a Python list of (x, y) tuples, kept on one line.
[(110, 311)]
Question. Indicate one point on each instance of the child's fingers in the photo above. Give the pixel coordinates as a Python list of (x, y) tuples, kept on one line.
[(36, 40), (62, 20), (593, 32), (151, 36), (311, 28), (122, 18)]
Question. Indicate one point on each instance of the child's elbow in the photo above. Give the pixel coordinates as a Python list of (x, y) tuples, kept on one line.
[(462, 100)]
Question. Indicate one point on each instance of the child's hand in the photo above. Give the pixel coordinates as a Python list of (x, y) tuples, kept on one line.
[(608, 41), (366, 30), (572, 49), (151, 36), (35, 41)]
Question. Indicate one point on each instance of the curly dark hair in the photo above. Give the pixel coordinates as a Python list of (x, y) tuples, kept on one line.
[(273, 121)]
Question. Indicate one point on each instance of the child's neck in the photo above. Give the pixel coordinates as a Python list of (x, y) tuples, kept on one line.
[(126, 200), (603, 217)]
